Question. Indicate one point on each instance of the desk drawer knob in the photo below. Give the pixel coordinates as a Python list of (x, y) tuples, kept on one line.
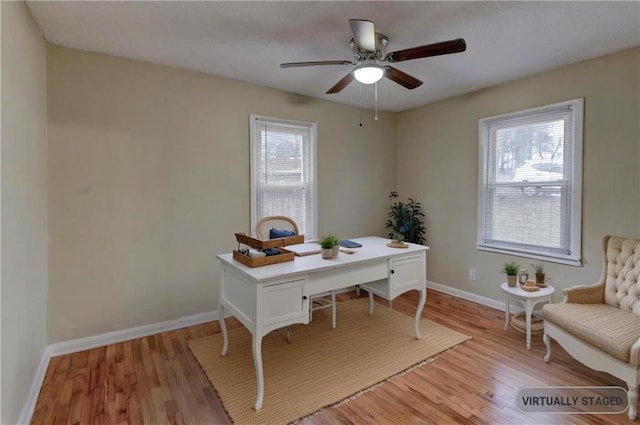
[(304, 297), (392, 271)]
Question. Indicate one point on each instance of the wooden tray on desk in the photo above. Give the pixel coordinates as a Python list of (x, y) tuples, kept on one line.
[(283, 257), (271, 243)]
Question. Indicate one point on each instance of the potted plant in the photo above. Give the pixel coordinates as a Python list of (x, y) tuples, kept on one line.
[(406, 219), (511, 270), (335, 250), (327, 245), (540, 275)]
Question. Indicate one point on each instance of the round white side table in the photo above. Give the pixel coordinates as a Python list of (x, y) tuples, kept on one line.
[(528, 301)]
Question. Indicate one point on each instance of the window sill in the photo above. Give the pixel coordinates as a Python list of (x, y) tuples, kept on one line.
[(567, 260)]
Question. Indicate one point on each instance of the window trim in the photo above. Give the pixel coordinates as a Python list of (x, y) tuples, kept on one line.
[(574, 257), (313, 172)]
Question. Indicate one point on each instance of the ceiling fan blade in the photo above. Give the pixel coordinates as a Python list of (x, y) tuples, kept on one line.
[(341, 84), (402, 78), (442, 48), (299, 64), (364, 34)]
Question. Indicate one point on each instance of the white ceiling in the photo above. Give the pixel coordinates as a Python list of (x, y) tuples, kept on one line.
[(248, 40)]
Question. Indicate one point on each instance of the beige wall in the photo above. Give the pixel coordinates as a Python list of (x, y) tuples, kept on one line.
[(149, 178), (24, 206), (438, 163)]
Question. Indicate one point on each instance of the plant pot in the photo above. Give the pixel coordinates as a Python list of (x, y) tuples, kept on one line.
[(335, 251), (512, 280), (326, 252), (540, 278)]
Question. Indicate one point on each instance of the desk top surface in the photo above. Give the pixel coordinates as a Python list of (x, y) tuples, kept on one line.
[(373, 248)]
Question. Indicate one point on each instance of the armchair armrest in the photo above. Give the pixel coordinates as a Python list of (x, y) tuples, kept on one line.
[(585, 294)]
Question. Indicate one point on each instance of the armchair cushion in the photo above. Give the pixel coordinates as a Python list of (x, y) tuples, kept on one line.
[(608, 328), (278, 233)]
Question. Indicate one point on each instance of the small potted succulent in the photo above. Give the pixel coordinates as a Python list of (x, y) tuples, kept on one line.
[(329, 244), (511, 270), (540, 275)]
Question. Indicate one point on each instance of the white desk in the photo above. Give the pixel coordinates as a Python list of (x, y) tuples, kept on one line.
[(528, 301), (271, 297)]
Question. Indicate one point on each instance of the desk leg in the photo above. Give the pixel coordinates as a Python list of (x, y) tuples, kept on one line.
[(423, 299), (370, 303), (528, 312), (506, 312), (223, 328), (257, 362)]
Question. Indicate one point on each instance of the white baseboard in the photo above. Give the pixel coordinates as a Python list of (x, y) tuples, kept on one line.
[(470, 296), (81, 344), (34, 390)]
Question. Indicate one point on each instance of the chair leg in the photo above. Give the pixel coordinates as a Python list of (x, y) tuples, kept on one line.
[(370, 303), (286, 332), (547, 341), (333, 309), (633, 401)]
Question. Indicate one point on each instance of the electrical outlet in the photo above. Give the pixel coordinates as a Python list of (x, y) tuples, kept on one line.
[(472, 274)]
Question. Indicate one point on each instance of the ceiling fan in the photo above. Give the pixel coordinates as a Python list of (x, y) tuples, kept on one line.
[(369, 48)]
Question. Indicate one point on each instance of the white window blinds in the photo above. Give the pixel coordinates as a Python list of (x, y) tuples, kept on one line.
[(283, 172), (530, 183)]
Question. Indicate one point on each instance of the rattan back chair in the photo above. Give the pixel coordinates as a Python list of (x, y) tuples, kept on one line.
[(279, 222)]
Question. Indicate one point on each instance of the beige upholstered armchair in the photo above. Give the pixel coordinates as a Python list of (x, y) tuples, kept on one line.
[(599, 324)]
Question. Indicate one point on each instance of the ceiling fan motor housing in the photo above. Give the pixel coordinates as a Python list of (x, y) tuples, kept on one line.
[(381, 45), (382, 41)]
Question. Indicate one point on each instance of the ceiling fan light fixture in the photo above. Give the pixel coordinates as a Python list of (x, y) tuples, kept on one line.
[(368, 73)]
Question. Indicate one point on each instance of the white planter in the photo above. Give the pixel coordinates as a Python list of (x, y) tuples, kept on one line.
[(326, 252)]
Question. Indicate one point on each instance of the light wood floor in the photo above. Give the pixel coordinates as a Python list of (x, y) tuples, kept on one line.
[(156, 380)]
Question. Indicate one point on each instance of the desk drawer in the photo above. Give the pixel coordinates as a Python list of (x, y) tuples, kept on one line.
[(343, 277), (284, 303), (406, 274)]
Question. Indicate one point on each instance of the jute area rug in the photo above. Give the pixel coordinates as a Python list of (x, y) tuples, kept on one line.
[(321, 366)]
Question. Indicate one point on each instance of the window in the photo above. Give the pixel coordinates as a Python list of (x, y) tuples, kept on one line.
[(283, 172), (530, 183)]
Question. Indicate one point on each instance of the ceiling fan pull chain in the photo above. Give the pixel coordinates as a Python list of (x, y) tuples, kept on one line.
[(375, 91)]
